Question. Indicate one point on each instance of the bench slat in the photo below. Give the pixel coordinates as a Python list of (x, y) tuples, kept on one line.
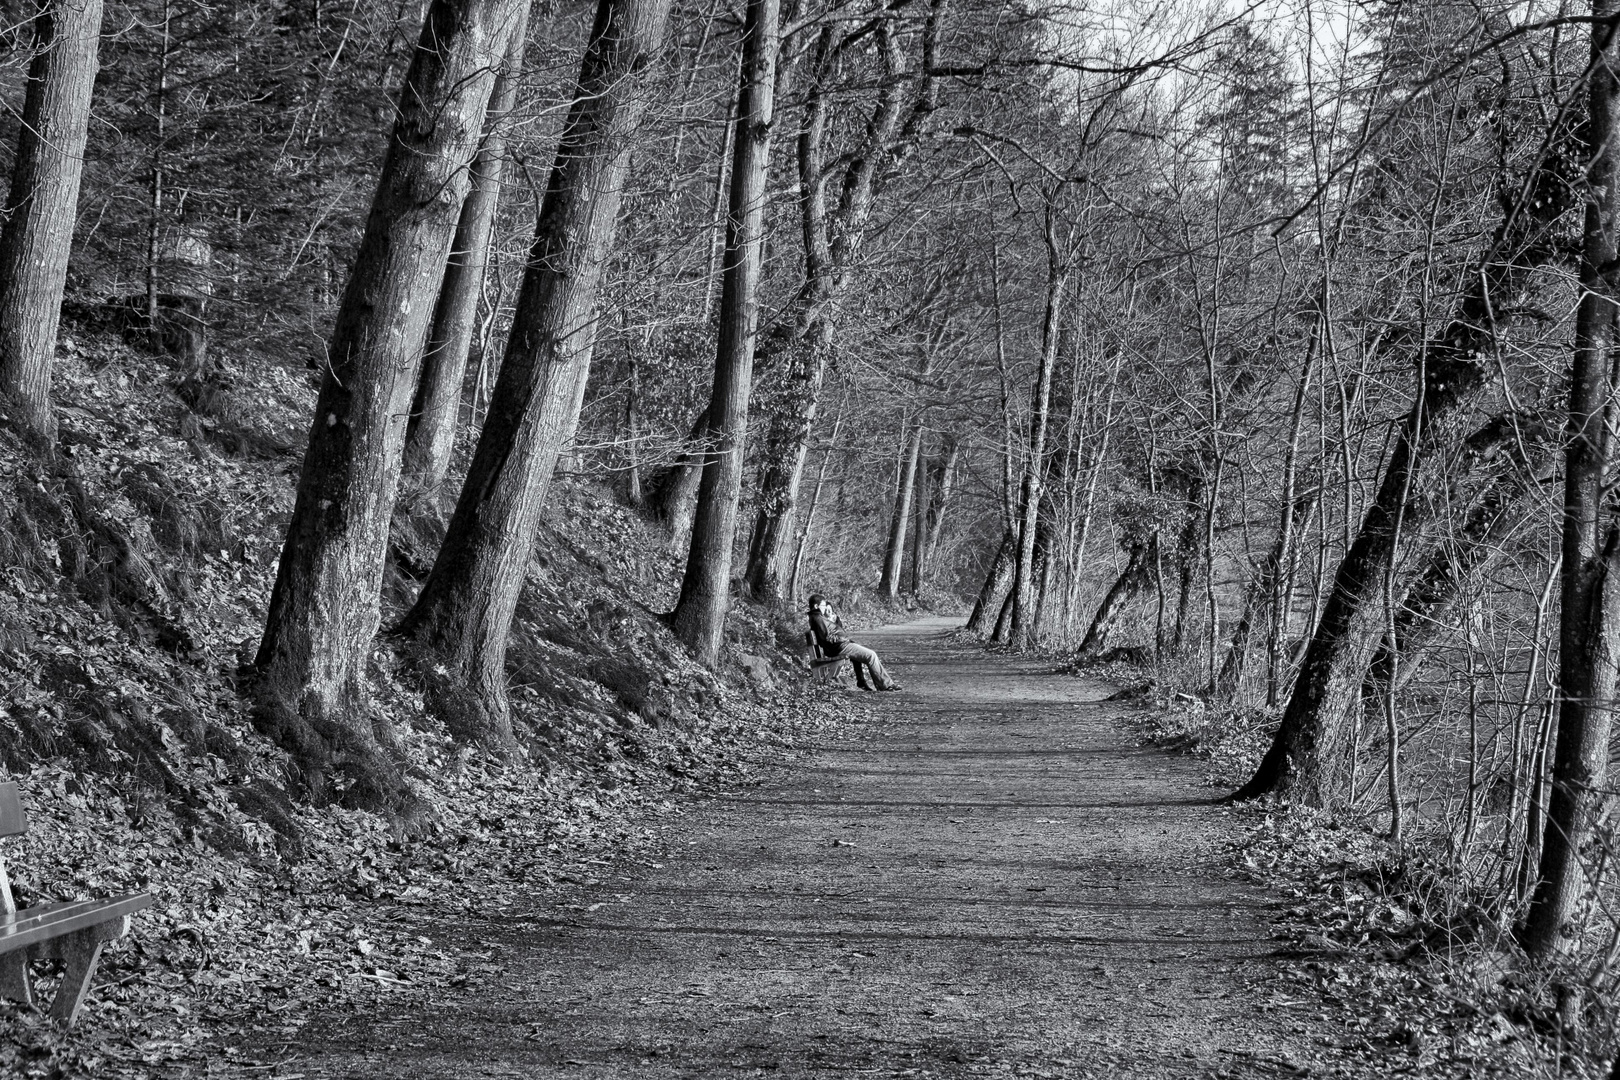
[(46, 921), (12, 822)]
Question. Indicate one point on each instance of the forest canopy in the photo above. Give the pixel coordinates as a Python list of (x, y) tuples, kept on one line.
[(1269, 351)]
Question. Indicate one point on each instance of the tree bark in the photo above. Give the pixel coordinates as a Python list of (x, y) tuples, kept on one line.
[(832, 241), (894, 551), (938, 482), (464, 613), (324, 608), (699, 617), (1138, 573), (41, 205), (996, 583), (431, 434), (1057, 279), (1588, 638), (1258, 599), (1304, 757)]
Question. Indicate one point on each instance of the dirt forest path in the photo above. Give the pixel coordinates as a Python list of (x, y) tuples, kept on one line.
[(992, 879)]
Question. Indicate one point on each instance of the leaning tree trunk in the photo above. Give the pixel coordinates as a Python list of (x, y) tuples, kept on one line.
[(996, 583), (699, 618), (1424, 615), (431, 434), (1303, 759), (465, 611), (1138, 573), (1588, 637), (323, 612), (40, 208)]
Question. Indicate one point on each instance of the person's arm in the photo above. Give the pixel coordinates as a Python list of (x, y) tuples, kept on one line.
[(825, 634)]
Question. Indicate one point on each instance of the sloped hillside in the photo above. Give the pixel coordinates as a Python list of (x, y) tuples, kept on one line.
[(137, 564)]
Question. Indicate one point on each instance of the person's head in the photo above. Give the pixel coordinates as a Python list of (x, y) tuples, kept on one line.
[(816, 600)]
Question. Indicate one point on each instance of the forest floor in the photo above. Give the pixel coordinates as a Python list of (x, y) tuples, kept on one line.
[(992, 876)]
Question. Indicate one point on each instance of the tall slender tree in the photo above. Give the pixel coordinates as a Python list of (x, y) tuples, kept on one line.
[(1589, 613), (311, 664), (40, 207), (465, 610), (431, 433), (699, 617)]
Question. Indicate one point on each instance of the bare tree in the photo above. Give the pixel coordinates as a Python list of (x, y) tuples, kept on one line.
[(431, 433), (1588, 634), (465, 610), (42, 202), (699, 617), (324, 609)]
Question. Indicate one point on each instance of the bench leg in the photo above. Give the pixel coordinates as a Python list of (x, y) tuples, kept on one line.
[(81, 953), (14, 983)]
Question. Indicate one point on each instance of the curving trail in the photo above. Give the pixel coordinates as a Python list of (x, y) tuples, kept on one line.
[(995, 880)]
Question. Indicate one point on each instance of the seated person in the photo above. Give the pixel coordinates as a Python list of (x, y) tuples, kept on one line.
[(830, 638)]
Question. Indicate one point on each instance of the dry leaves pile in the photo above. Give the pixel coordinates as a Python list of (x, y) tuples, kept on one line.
[(1356, 945), (136, 570)]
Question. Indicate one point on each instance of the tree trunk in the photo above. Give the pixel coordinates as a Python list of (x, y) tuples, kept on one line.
[(1139, 571), (1258, 598), (699, 618), (1588, 638), (635, 495), (323, 612), (921, 495), (1045, 534), (154, 191), (1282, 582), (996, 583), (1304, 756), (832, 239), (1002, 633), (670, 496), (464, 613), (895, 550), (41, 205), (1422, 618), (1189, 554), (815, 501), (1057, 278), (932, 524), (431, 434)]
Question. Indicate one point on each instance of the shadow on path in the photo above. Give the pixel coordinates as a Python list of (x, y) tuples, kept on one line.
[(994, 881)]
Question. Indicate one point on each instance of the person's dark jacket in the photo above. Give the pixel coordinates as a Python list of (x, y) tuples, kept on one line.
[(829, 638)]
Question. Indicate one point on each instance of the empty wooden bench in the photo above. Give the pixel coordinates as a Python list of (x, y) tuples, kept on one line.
[(823, 668), (71, 931)]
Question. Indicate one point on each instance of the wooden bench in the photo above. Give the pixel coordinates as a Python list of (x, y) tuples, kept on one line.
[(70, 931), (823, 668)]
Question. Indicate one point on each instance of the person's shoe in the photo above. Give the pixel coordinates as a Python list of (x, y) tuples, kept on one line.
[(894, 686)]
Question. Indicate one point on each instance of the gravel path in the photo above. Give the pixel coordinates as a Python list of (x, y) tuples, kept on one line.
[(994, 879)]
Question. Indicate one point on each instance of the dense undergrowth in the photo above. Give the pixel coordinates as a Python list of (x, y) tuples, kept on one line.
[(137, 562), (1410, 949)]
